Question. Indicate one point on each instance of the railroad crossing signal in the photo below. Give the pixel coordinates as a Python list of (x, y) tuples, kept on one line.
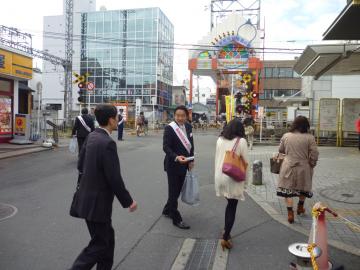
[(81, 78)]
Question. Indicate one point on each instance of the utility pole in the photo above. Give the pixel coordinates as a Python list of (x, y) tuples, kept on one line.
[(198, 88), (69, 19)]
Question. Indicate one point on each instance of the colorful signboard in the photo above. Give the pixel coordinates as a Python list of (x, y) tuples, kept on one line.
[(20, 125), (5, 116)]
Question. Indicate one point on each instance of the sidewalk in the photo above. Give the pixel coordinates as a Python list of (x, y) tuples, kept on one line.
[(336, 183), (14, 150)]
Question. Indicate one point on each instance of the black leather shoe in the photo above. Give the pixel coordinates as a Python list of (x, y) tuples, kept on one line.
[(181, 225)]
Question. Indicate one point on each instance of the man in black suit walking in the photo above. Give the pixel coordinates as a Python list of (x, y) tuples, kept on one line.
[(178, 145), (84, 124), (99, 181)]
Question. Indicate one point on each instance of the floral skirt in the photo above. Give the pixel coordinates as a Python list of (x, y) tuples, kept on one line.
[(288, 193)]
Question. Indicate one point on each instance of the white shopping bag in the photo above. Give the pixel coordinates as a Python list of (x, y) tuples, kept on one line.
[(190, 190), (73, 146)]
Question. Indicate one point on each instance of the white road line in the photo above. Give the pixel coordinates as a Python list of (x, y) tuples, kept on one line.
[(221, 258), (184, 254)]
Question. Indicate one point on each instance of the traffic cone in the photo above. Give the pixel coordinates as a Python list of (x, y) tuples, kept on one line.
[(318, 234)]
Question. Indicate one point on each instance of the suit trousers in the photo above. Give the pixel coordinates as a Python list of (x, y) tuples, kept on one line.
[(100, 250), (120, 131), (175, 183), (80, 141)]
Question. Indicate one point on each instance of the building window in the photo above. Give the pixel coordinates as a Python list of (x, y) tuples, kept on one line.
[(280, 72), (266, 95), (268, 72)]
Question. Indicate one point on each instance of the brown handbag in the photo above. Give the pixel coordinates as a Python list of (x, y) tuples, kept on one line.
[(276, 162), (234, 166)]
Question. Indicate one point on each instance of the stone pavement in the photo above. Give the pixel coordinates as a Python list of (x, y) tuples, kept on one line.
[(336, 183)]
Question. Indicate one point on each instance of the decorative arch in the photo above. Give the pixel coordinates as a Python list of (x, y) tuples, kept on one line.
[(233, 50)]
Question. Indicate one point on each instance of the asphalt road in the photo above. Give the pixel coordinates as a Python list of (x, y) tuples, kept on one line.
[(42, 235)]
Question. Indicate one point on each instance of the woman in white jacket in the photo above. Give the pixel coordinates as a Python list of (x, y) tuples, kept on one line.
[(224, 185)]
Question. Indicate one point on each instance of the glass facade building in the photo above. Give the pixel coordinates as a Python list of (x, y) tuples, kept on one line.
[(128, 54)]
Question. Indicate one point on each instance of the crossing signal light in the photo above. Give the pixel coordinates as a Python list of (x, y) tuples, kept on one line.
[(81, 85), (81, 93)]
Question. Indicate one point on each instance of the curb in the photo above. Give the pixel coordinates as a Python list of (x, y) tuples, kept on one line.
[(281, 219), (22, 152)]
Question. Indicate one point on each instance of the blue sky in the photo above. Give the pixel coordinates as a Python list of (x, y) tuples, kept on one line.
[(303, 21)]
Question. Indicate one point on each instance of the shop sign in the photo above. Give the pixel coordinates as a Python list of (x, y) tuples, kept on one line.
[(16, 65), (2, 61), (237, 64), (20, 125)]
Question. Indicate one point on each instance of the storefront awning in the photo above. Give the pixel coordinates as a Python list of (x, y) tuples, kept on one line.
[(337, 59), (346, 25), (24, 87)]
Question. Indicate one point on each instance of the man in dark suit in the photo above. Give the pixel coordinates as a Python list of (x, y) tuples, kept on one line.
[(121, 124), (99, 181), (84, 124), (178, 145)]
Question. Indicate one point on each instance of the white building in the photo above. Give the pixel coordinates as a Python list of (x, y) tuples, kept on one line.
[(336, 86), (54, 43)]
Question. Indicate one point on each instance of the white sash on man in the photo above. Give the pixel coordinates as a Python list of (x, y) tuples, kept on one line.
[(84, 124), (121, 121), (181, 135)]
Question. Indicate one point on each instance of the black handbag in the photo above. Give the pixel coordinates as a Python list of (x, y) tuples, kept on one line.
[(74, 203), (276, 162)]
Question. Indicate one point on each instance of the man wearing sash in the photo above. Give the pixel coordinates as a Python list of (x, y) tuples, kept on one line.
[(178, 145), (84, 124), (121, 124)]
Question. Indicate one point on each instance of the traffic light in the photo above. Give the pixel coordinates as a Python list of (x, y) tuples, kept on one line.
[(81, 92), (81, 85), (255, 95)]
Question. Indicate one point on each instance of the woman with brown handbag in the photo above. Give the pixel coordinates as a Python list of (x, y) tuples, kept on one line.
[(296, 172), (231, 140)]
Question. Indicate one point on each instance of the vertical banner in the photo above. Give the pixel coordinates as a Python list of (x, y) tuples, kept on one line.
[(138, 104), (228, 100)]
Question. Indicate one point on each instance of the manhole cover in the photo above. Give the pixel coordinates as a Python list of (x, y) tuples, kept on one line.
[(351, 196), (7, 211), (202, 255)]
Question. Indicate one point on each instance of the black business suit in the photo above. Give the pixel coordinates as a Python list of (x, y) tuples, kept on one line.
[(176, 172), (100, 181), (80, 131)]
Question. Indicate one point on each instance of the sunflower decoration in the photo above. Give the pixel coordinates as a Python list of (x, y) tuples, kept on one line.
[(247, 78)]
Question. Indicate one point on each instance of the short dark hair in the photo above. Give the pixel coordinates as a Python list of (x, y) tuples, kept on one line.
[(121, 110), (141, 113), (84, 111), (301, 124), (104, 112), (233, 129), (182, 108)]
